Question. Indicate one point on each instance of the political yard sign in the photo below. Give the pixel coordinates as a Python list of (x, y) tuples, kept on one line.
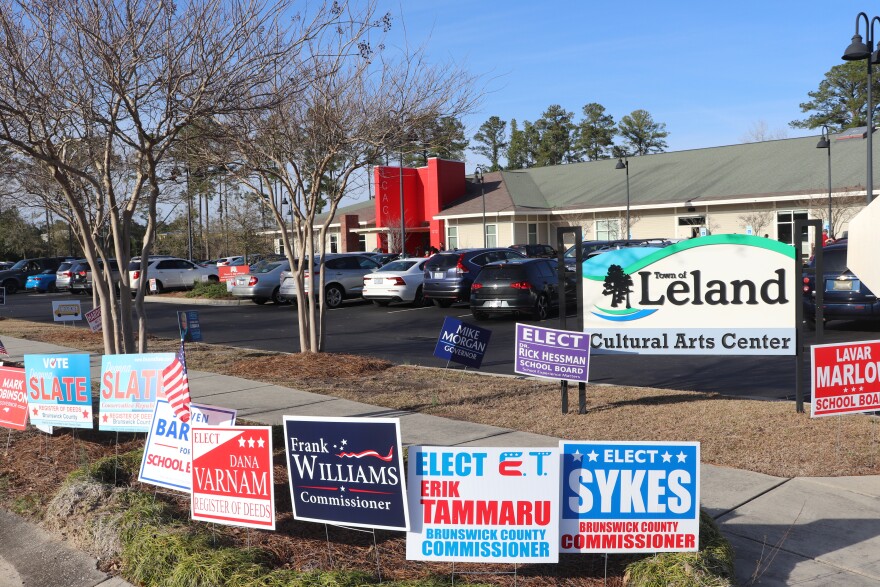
[(167, 460), (130, 385), (846, 378), (462, 343), (346, 471), (630, 496), (727, 294), (494, 505), (232, 481), (554, 354), (59, 390), (66, 311), (13, 399)]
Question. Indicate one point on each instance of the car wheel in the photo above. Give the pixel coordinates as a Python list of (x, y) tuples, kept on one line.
[(11, 286), (541, 309), (260, 301), (159, 287), (478, 315), (333, 296), (51, 288), (276, 297), (443, 303), (381, 303), (419, 300), (213, 279)]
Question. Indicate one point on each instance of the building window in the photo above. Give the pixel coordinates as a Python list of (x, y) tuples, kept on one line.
[(334, 243), (607, 230), (694, 222), (451, 237), (533, 234), (362, 242), (491, 235), (785, 225)]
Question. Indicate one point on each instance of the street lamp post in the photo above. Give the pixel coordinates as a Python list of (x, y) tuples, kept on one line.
[(857, 51), (825, 143), (478, 177), (623, 163)]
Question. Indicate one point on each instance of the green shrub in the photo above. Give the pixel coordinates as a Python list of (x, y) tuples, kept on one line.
[(209, 289), (113, 469), (711, 566)]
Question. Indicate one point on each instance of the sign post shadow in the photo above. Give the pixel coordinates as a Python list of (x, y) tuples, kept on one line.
[(801, 227)]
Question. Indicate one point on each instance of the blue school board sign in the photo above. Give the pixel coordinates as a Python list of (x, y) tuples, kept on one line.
[(462, 343), (346, 471)]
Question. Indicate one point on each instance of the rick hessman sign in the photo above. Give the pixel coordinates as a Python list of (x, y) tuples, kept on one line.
[(553, 354), (722, 294), (483, 504), (630, 496), (346, 471)]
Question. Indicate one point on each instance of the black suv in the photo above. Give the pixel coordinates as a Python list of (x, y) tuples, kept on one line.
[(845, 296), (521, 286), (449, 275), (14, 279)]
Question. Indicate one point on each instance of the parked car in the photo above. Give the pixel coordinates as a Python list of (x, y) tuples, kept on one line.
[(262, 283), (170, 273), (64, 273), (449, 275), (81, 279), (535, 251), (397, 281), (4, 265), (384, 258), (41, 282), (230, 261), (590, 247), (519, 286), (845, 296), (343, 278), (14, 278)]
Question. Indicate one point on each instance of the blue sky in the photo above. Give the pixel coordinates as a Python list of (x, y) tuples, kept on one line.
[(709, 70)]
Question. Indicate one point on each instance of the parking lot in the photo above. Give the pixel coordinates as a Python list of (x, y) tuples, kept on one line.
[(407, 335)]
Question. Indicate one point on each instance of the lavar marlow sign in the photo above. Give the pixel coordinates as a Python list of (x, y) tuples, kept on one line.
[(722, 294)]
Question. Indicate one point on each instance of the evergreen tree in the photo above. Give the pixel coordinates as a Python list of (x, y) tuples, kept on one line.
[(444, 138), (841, 101), (555, 129), (517, 151), (641, 135), (596, 132), (492, 138)]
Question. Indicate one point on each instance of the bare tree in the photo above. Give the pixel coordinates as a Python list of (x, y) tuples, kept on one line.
[(99, 91), (758, 219), (843, 208), (352, 103), (759, 132)]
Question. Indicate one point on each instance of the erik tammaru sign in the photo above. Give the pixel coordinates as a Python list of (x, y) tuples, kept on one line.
[(346, 471), (727, 294)]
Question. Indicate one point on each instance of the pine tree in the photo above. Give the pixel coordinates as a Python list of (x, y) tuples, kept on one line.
[(492, 136), (596, 132), (641, 134)]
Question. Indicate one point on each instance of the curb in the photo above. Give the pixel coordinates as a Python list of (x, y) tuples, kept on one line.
[(195, 301)]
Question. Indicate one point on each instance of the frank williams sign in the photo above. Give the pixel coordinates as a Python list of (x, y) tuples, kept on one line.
[(346, 471)]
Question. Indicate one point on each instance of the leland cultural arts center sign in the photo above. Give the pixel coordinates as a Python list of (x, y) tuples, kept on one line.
[(721, 294)]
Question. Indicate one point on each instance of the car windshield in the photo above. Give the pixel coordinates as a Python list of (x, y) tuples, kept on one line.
[(265, 266), (398, 265), (833, 261), (134, 266), (48, 272), (501, 272), (443, 261), (20, 265), (64, 267)]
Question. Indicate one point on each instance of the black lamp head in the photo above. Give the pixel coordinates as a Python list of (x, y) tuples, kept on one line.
[(823, 143), (620, 164), (857, 50)]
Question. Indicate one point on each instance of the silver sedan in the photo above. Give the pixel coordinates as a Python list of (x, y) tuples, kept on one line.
[(261, 283)]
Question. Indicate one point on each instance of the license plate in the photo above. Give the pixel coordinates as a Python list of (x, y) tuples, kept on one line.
[(492, 304), (378, 281), (438, 274), (842, 285)]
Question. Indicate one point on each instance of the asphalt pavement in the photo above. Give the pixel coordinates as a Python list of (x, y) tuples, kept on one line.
[(802, 530)]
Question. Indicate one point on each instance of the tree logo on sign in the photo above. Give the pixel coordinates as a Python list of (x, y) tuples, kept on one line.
[(618, 285)]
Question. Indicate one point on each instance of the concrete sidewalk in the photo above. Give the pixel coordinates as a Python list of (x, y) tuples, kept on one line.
[(805, 531)]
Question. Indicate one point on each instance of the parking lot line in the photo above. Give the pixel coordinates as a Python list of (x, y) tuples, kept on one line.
[(408, 310)]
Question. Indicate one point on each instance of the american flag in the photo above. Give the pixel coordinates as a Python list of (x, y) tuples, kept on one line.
[(3, 349), (177, 385)]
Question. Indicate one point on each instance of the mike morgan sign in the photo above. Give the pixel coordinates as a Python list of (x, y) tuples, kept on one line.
[(727, 294)]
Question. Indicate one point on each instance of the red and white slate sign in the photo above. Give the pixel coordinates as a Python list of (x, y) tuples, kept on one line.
[(846, 378)]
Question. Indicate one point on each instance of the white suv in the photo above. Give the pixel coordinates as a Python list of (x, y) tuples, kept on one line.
[(344, 278), (170, 273)]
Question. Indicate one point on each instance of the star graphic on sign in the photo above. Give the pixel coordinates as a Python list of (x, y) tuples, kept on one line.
[(344, 442), (241, 441), (106, 418), (250, 443), (577, 455), (85, 413), (35, 411), (845, 389), (342, 488), (861, 388), (593, 456), (681, 457), (666, 457), (261, 442)]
